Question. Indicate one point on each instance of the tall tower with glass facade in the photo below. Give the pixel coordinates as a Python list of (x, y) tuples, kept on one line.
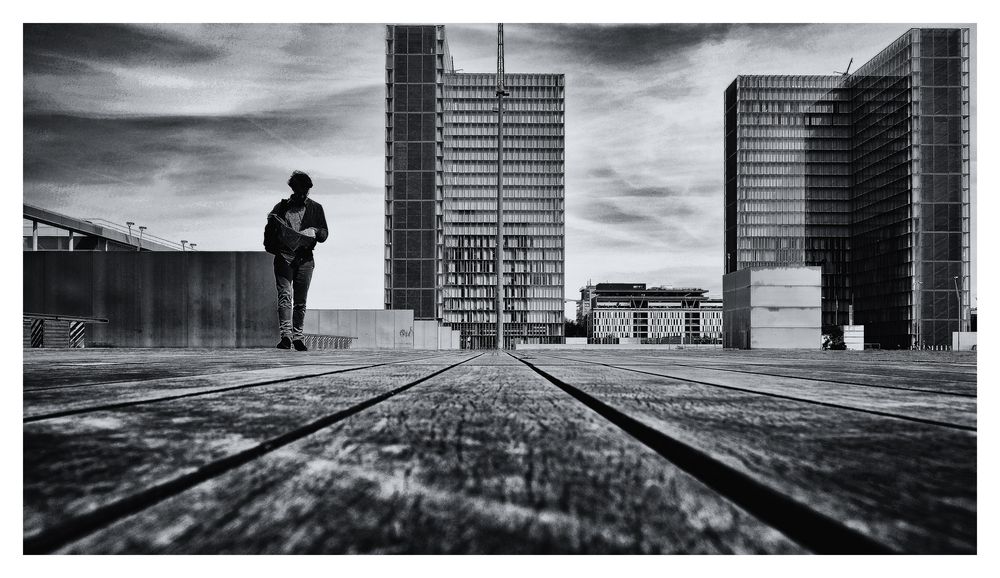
[(417, 59), (788, 177), (866, 175), (453, 234)]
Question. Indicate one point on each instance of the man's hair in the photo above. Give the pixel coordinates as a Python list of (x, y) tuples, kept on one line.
[(300, 181)]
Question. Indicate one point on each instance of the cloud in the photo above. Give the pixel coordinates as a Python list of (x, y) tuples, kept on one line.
[(68, 48), (192, 128), (628, 45)]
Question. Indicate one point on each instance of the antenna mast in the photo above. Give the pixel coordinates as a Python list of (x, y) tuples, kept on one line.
[(501, 92)]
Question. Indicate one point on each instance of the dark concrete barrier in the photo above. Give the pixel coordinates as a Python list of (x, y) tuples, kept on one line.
[(158, 299)]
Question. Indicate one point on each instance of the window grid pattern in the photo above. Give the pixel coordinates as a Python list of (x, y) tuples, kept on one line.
[(788, 178), (534, 184), (416, 60), (911, 195), (872, 170), (677, 325)]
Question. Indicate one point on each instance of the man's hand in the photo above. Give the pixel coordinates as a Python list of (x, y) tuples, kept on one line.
[(309, 232)]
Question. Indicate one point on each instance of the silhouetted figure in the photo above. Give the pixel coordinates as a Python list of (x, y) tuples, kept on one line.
[(294, 226)]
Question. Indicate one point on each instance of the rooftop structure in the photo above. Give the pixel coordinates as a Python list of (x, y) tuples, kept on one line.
[(46, 230)]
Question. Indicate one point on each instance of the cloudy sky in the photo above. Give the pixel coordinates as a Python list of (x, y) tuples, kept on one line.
[(192, 131)]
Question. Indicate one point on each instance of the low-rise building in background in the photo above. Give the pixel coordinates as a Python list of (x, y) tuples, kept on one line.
[(634, 313)]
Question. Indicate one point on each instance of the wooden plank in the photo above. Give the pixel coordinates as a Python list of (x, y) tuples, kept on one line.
[(905, 484), (885, 378), (43, 369), (48, 401), (76, 464), (482, 459), (960, 411), (942, 376)]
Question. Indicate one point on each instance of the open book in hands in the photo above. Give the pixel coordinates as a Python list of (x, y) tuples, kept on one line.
[(289, 237)]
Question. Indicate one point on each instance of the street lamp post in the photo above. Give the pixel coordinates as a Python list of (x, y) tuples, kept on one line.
[(958, 298), (501, 92), (918, 315), (129, 224), (142, 229), (183, 244)]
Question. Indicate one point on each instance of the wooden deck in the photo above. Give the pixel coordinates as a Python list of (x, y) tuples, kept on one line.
[(266, 451)]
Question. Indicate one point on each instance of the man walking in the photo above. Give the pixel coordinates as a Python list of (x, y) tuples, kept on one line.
[(294, 226)]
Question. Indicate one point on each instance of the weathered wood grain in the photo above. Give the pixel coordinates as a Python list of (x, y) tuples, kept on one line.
[(486, 458), (49, 368), (905, 484), (40, 403), (489, 457), (933, 377), (76, 464), (946, 409)]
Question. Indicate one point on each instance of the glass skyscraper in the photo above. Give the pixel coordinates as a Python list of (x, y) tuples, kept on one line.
[(866, 175), (441, 239), (788, 177), (417, 58)]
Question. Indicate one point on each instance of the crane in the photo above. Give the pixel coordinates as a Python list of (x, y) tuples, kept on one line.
[(501, 92), (847, 71)]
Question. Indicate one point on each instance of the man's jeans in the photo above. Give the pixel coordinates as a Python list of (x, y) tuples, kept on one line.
[(292, 280)]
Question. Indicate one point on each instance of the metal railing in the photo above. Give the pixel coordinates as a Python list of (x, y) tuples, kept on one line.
[(327, 341), (137, 239)]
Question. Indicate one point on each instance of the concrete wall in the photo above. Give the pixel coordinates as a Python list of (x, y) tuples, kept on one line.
[(381, 329), (374, 328), (158, 299), (198, 299), (772, 308), (430, 335), (425, 334)]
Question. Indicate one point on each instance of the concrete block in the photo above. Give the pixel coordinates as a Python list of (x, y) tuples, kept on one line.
[(347, 323), (366, 329), (385, 329), (963, 340), (311, 324), (792, 276), (785, 296), (786, 300), (854, 337), (785, 317), (419, 329), (785, 338), (403, 329), (425, 334), (326, 321)]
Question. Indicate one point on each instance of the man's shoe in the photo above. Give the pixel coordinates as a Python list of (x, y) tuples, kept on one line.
[(299, 346), (285, 343)]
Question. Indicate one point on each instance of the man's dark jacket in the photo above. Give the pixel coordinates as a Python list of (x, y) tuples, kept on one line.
[(313, 217)]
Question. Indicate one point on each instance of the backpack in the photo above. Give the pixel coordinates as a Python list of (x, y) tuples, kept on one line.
[(271, 243)]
